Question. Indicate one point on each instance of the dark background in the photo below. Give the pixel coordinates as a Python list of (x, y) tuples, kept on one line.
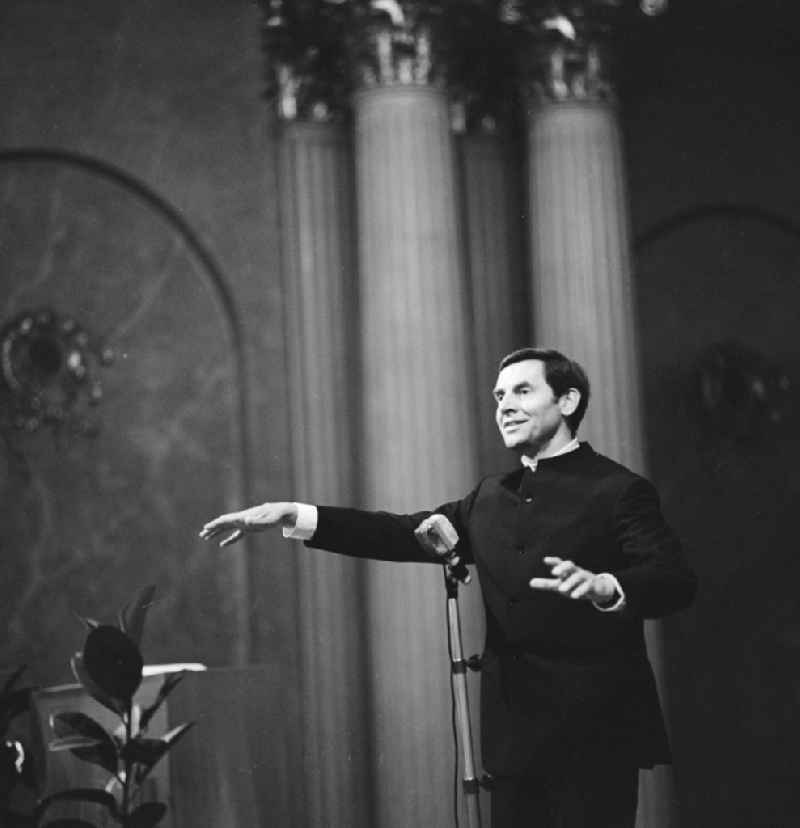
[(711, 132)]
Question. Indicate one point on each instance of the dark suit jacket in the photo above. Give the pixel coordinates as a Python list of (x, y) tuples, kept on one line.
[(559, 676)]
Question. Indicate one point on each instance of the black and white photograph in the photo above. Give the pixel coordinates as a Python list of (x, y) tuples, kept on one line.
[(398, 413)]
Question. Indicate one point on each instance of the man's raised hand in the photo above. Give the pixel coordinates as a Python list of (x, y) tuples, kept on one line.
[(254, 519), (573, 581)]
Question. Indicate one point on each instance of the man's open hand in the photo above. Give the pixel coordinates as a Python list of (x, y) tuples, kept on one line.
[(572, 581), (255, 519)]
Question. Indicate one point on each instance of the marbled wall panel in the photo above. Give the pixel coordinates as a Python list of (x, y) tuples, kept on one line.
[(172, 94), (86, 521)]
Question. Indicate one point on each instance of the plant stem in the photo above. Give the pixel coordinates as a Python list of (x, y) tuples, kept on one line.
[(126, 788)]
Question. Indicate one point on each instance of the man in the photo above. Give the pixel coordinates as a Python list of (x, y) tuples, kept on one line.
[(572, 553)]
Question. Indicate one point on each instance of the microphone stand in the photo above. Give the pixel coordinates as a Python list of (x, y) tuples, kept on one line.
[(458, 678)]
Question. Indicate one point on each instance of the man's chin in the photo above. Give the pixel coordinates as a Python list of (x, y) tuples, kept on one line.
[(515, 443), (521, 445)]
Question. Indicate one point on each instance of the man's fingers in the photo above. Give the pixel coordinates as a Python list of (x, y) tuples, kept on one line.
[(571, 581), (581, 590), (207, 533), (232, 538), (547, 584), (210, 534), (576, 585), (218, 525), (568, 584), (561, 570), (437, 534), (440, 528)]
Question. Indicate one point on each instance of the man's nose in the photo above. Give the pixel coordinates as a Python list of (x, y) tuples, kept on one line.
[(507, 404)]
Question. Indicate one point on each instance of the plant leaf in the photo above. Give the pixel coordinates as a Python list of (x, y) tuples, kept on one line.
[(98, 755), (147, 752), (70, 743), (176, 734), (82, 675), (170, 682), (113, 662), (78, 795), (98, 748), (146, 815), (70, 723), (131, 618), (143, 751)]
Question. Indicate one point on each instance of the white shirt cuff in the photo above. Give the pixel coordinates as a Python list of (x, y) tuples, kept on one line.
[(619, 604), (305, 525)]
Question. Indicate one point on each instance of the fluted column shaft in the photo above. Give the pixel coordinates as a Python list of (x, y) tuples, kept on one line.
[(492, 204), (418, 427), (581, 264), (583, 303), (317, 220)]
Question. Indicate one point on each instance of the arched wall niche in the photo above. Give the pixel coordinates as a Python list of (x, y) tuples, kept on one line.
[(713, 273), (87, 521)]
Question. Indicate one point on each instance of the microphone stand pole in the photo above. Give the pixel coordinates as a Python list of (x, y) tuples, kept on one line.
[(458, 678)]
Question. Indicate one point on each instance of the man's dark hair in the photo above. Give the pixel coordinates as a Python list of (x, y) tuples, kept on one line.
[(561, 374)]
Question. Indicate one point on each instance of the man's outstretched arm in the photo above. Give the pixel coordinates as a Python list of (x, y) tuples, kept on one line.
[(422, 537)]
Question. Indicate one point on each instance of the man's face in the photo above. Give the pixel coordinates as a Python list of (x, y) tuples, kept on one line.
[(528, 413)]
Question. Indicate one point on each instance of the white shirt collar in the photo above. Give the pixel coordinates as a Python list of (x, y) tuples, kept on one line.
[(533, 463)]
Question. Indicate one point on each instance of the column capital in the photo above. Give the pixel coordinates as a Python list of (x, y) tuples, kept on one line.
[(320, 51), (398, 42), (307, 77), (565, 49)]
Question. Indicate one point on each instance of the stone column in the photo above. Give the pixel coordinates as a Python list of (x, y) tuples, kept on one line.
[(492, 199), (419, 437), (582, 292), (581, 264), (318, 255)]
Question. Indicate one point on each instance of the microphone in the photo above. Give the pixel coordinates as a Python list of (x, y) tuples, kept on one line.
[(437, 536), (456, 568)]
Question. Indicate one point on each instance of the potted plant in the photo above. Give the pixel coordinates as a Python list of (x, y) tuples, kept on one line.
[(110, 669)]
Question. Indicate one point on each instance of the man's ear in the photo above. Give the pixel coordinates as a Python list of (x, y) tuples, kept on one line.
[(569, 401)]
